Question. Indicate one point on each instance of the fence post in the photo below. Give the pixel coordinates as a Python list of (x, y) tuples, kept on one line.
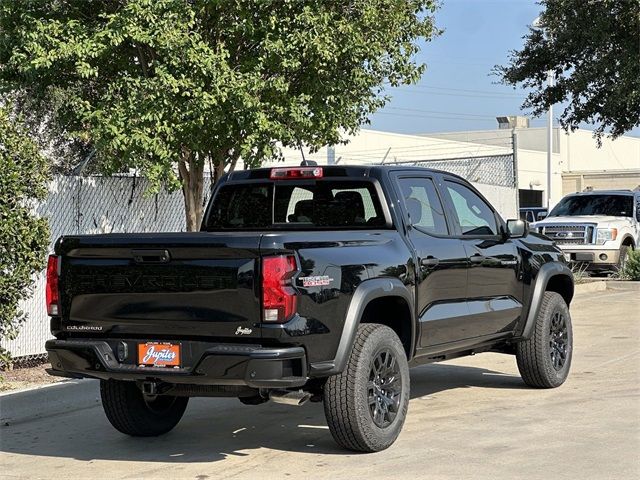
[(78, 182), (514, 146), (331, 155)]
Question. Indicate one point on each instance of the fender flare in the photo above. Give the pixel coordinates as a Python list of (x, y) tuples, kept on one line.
[(546, 272), (365, 292), (628, 236)]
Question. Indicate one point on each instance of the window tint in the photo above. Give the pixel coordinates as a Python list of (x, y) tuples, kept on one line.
[(306, 204), (474, 216), (423, 204), (241, 206), (593, 204), (328, 204)]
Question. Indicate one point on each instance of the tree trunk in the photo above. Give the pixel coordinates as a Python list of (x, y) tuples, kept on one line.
[(191, 169)]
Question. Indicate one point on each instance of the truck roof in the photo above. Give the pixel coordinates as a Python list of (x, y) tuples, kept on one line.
[(337, 171), (603, 192)]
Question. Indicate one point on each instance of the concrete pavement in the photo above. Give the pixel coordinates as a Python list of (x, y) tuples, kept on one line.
[(468, 418)]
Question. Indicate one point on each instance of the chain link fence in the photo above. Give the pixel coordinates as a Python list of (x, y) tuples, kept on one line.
[(88, 205), (496, 170), (495, 176)]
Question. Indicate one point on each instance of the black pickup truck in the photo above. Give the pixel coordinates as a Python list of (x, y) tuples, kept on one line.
[(322, 283)]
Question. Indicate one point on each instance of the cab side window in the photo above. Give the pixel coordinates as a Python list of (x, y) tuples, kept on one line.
[(423, 205), (473, 214)]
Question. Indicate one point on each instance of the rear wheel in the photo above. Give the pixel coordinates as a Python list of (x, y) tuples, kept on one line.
[(133, 413), (544, 359), (367, 403)]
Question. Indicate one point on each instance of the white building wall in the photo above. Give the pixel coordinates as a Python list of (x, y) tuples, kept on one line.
[(579, 152), (532, 173), (371, 146)]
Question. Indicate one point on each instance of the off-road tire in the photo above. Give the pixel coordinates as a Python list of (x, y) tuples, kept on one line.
[(535, 356), (130, 412), (347, 395), (622, 258)]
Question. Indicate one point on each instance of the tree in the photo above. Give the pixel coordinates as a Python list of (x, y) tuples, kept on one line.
[(152, 84), (24, 238), (593, 49)]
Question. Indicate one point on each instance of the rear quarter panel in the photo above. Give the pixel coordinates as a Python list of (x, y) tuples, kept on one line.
[(333, 264)]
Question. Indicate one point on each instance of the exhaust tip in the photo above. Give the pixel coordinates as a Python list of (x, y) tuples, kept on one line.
[(286, 397)]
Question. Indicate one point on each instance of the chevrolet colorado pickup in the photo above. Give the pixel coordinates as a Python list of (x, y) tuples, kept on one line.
[(321, 283), (595, 228)]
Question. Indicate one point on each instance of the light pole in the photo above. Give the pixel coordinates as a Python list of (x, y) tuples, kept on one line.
[(537, 23)]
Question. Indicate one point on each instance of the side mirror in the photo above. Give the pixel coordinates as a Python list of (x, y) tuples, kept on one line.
[(517, 228), (542, 215)]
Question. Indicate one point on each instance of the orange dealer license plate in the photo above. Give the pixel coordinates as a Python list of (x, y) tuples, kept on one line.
[(159, 354)]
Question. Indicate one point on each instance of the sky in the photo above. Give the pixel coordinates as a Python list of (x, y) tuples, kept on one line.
[(457, 91)]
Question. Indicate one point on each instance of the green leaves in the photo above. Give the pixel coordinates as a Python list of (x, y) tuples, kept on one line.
[(631, 270), (23, 237), (592, 48), (147, 80)]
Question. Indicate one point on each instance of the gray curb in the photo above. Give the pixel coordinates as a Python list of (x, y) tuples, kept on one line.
[(600, 285), (48, 400), (590, 287)]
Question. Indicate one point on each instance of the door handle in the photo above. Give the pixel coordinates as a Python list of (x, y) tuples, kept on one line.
[(477, 258), (429, 262), (150, 256)]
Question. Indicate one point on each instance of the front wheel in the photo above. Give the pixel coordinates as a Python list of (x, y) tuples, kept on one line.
[(138, 415), (367, 403), (544, 359), (622, 259)]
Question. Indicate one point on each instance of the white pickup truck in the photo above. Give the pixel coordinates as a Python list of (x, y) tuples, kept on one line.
[(595, 228)]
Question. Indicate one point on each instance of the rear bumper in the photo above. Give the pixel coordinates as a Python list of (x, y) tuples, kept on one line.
[(215, 364)]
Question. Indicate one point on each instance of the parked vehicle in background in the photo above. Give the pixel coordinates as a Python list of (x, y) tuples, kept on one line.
[(532, 214), (322, 283), (595, 228)]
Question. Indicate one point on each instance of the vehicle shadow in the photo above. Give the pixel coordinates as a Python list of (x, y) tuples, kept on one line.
[(215, 429)]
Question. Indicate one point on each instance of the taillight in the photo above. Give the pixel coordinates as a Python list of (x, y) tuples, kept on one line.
[(294, 173), (278, 296), (53, 294)]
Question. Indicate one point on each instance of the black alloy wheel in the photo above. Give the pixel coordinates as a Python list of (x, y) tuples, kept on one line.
[(384, 388), (558, 340)]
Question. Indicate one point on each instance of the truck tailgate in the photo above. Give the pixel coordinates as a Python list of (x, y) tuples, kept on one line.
[(161, 286)]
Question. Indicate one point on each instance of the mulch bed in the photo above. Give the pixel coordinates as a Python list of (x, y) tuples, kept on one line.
[(27, 377)]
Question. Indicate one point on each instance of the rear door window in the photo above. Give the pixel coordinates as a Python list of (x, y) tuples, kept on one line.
[(423, 205)]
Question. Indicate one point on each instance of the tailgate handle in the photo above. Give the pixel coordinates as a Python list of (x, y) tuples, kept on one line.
[(151, 256)]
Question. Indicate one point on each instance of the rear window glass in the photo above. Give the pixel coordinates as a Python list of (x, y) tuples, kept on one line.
[(296, 204)]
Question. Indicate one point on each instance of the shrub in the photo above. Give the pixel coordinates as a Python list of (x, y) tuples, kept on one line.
[(23, 237), (631, 270)]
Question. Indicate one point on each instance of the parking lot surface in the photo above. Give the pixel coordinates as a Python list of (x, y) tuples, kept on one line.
[(468, 418)]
